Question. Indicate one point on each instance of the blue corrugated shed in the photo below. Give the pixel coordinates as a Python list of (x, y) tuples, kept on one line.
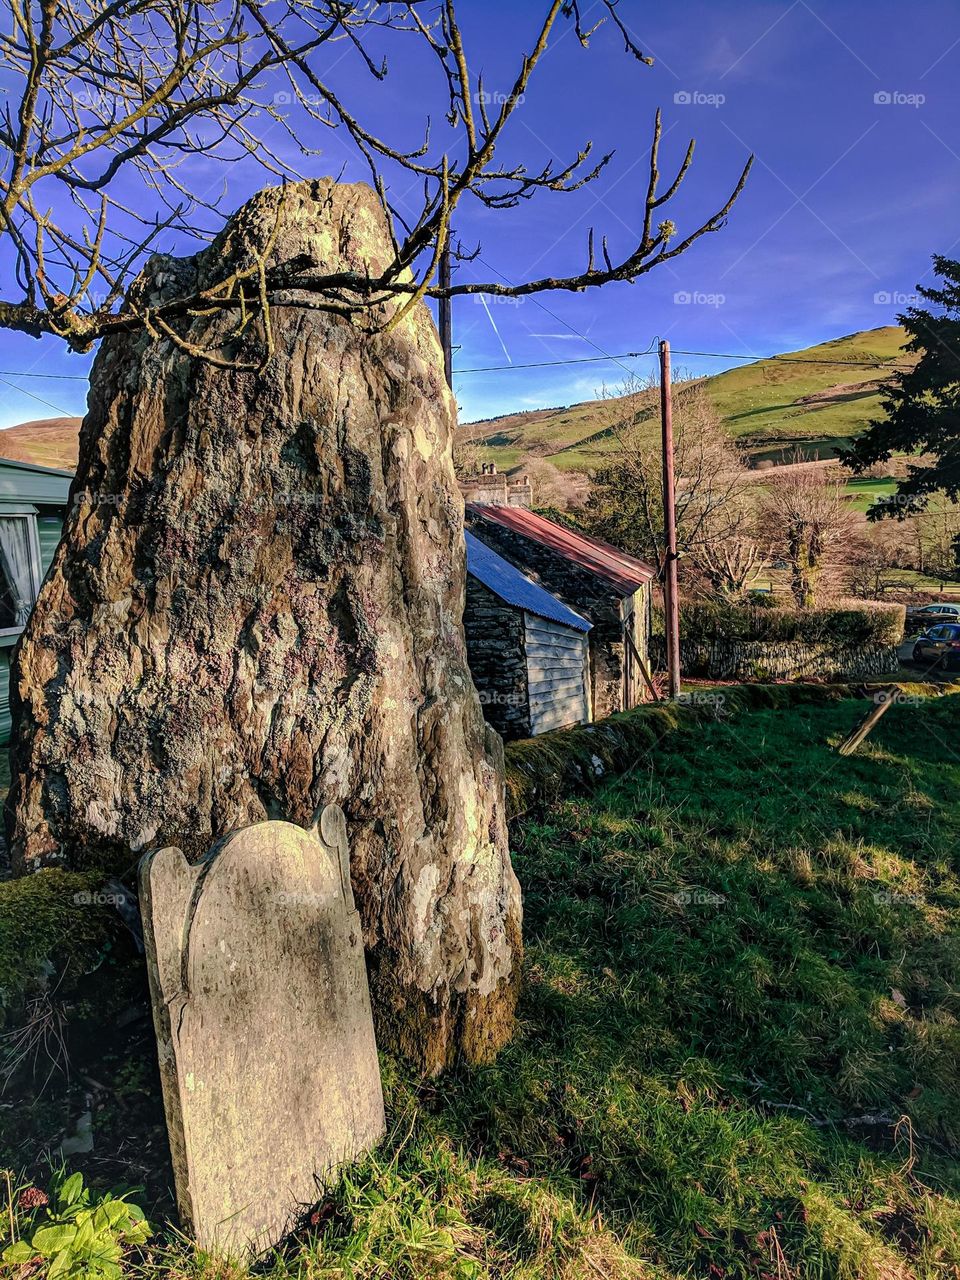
[(500, 577)]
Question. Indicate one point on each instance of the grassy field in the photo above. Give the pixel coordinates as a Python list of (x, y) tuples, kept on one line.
[(906, 581), (864, 491), (48, 442), (738, 1053), (770, 408), (910, 580)]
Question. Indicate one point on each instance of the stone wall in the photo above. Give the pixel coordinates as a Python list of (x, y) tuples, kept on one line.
[(776, 660), (497, 659)]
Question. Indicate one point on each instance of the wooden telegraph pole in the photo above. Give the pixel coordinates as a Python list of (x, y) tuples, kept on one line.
[(446, 313), (671, 600)]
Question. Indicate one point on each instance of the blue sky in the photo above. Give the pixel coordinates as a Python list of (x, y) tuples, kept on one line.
[(851, 109)]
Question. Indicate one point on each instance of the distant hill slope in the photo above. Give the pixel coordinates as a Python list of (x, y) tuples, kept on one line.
[(770, 408), (48, 442)]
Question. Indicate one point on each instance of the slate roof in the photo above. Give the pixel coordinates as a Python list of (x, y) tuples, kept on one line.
[(500, 577), (622, 571)]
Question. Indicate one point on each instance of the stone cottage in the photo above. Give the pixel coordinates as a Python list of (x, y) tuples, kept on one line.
[(605, 585), (528, 652), (491, 487)]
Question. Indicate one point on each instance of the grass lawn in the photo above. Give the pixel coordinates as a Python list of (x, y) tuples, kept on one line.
[(864, 491), (738, 1053), (910, 580)]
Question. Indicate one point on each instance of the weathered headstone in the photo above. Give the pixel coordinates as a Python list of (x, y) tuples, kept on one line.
[(262, 1014)]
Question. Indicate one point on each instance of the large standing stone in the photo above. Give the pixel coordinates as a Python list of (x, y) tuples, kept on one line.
[(260, 1003), (256, 610)]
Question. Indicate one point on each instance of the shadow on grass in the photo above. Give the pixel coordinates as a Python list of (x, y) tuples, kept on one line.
[(737, 1052), (741, 1003)]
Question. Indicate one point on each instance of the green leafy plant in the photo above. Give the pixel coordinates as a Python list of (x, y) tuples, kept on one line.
[(79, 1236)]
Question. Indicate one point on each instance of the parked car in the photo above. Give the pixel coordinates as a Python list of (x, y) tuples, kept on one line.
[(920, 617), (940, 646)]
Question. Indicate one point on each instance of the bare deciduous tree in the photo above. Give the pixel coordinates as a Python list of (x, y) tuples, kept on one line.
[(551, 487), (469, 455), (873, 552), (732, 565), (626, 503), (939, 529), (147, 91), (808, 521)]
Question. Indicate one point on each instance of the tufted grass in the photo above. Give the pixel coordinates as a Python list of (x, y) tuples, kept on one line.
[(738, 1053)]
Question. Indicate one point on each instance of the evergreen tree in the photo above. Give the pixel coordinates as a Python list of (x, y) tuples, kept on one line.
[(922, 404)]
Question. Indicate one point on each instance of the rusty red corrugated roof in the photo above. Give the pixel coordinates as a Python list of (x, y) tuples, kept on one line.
[(623, 571)]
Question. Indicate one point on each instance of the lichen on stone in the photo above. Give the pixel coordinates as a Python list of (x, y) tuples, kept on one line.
[(265, 616)]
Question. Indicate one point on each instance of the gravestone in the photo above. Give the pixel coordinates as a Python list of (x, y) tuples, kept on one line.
[(262, 1014)]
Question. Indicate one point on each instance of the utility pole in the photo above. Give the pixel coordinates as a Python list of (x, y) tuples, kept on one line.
[(446, 313), (671, 599)]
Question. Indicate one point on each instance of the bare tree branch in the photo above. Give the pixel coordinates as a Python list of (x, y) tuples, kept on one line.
[(140, 89), (712, 507)]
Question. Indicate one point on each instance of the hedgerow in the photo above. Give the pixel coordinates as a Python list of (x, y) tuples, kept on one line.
[(844, 624)]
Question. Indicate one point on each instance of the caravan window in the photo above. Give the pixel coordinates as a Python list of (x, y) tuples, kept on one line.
[(19, 569)]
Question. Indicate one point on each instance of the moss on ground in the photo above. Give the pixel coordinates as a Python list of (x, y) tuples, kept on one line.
[(49, 922)]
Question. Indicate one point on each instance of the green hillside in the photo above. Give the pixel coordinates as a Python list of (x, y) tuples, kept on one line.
[(770, 407)]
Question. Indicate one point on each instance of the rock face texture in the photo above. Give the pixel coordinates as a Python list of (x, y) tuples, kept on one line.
[(256, 611)]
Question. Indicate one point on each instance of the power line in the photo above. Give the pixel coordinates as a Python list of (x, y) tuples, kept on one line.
[(52, 377), (715, 355), (39, 399), (725, 355), (559, 319), (547, 364), (552, 364)]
